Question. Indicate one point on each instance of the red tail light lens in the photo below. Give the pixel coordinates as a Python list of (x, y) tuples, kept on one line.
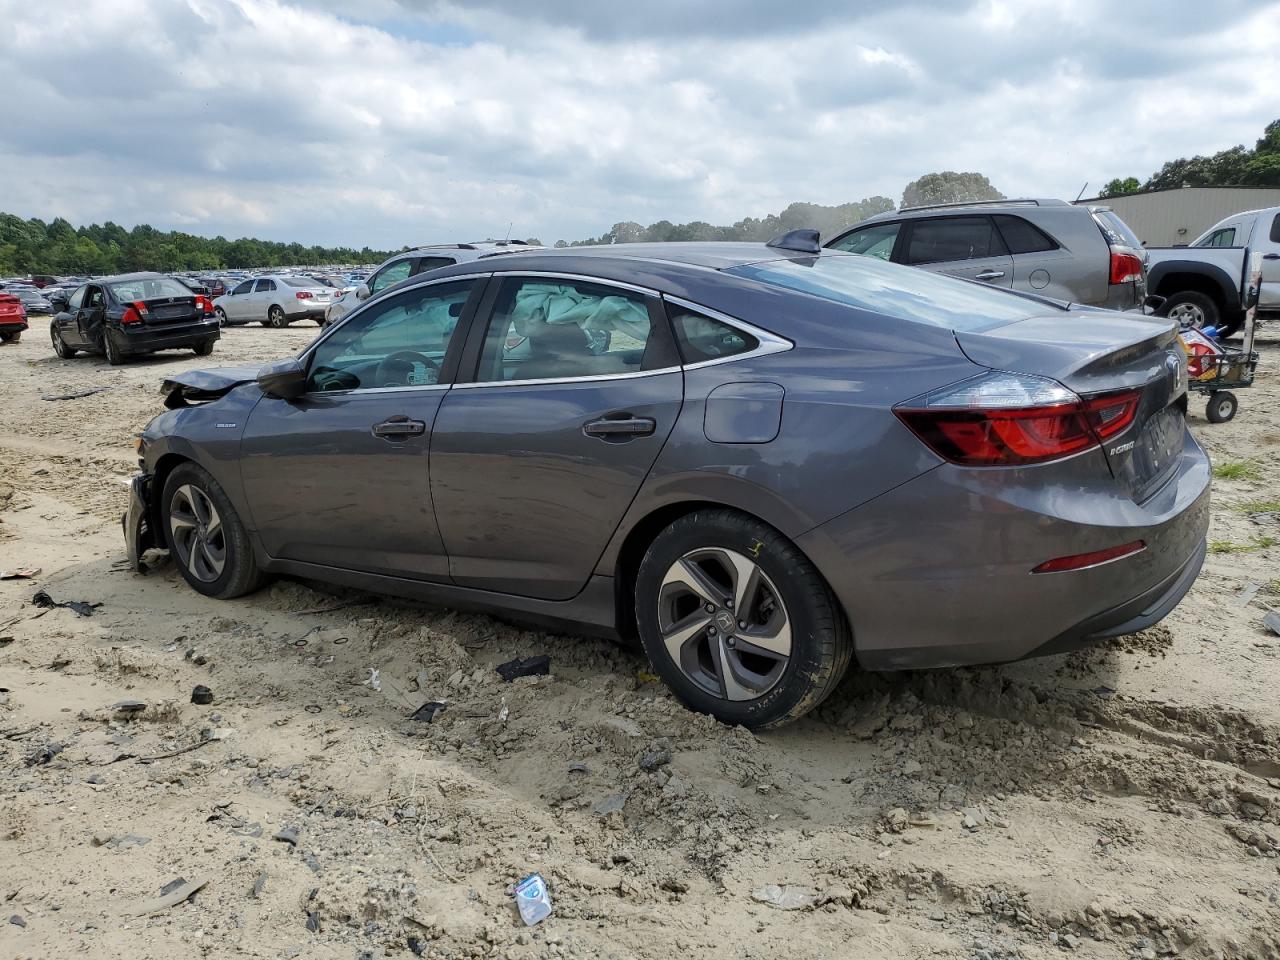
[(136, 312), (1004, 419), (303, 294), (203, 303), (1081, 560), (1125, 267)]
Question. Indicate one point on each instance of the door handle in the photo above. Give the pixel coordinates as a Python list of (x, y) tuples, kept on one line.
[(399, 427), (624, 426), (1271, 256), (989, 275)]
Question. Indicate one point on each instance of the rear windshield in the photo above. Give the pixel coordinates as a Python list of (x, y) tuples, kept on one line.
[(908, 293), (301, 282), (1116, 230), (148, 288)]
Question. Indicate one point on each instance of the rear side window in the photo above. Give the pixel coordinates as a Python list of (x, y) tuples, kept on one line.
[(1275, 229), (953, 238), (433, 263), (1226, 237), (1023, 237), (1117, 232), (265, 286), (873, 241), (897, 291), (704, 338)]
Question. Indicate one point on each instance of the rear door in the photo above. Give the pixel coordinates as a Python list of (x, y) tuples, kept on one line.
[(968, 246), (1041, 265), (1267, 235), (537, 458), (339, 477), (260, 299)]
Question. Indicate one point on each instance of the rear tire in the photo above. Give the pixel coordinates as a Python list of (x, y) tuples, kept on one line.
[(205, 537), (112, 350), (11, 337), (760, 655), (59, 345), (276, 318), (204, 348), (1191, 308), (222, 316), (1222, 406)]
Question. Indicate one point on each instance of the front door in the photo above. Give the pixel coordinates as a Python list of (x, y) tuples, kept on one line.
[(235, 306), (966, 247), (1268, 241), (339, 477), (534, 462), (91, 316)]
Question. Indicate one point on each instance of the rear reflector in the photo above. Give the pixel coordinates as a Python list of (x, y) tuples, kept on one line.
[(1125, 267), (1007, 419), (1080, 561)]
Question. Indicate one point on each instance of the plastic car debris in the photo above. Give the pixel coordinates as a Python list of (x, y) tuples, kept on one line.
[(538, 666), (75, 394), (1272, 620), (532, 899), (25, 573), (427, 712), (83, 608), (202, 695)]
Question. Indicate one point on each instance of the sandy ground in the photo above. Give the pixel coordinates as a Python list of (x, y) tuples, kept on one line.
[(1114, 803)]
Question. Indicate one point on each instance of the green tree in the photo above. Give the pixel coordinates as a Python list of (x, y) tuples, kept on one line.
[(949, 187), (1118, 187)]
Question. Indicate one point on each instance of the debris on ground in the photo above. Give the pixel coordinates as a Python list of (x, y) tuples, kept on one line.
[(427, 712), (533, 900), (785, 897), (22, 573), (174, 896), (538, 666), (1272, 621), (83, 608), (201, 695), (75, 394)]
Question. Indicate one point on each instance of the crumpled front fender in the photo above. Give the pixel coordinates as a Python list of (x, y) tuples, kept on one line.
[(139, 535)]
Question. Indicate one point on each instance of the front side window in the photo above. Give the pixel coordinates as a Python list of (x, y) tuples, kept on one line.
[(1275, 229), (242, 288), (953, 238), (399, 342), (77, 299), (873, 241), (553, 329), (704, 338), (393, 273), (94, 298)]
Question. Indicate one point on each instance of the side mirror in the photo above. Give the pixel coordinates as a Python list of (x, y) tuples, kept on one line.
[(363, 292), (285, 380)]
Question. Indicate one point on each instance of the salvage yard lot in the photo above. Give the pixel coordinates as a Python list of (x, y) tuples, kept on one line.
[(1123, 801)]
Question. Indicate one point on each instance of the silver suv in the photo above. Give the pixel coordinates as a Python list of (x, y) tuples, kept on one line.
[(410, 263), (1084, 255)]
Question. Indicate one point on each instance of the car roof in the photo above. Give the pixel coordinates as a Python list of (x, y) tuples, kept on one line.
[(963, 207), (140, 275)]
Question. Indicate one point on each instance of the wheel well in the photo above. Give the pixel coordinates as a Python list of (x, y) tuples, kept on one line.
[(1180, 282), (164, 466)]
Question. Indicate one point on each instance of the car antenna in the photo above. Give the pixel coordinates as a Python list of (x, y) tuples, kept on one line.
[(507, 238), (1081, 193), (802, 241)]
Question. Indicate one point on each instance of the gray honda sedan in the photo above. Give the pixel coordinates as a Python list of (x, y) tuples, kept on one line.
[(763, 461)]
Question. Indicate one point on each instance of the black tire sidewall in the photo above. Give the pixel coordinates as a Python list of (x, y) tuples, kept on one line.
[(1212, 315), (1216, 402), (240, 574), (276, 318), (808, 601), (111, 349)]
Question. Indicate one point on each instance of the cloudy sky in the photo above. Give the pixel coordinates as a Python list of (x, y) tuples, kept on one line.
[(385, 122)]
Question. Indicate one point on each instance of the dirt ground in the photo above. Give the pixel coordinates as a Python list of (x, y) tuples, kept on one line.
[(1120, 802)]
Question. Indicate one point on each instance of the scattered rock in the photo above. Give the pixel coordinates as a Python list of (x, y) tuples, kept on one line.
[(202, 695), (259, 886), (287, 835), (610, 804), (427, 712), (538, 666), (654, 759), (17, 921)]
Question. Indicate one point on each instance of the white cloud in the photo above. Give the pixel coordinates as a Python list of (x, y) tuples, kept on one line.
[(394, 122)]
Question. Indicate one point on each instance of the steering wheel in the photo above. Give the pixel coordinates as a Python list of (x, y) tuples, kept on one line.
[(385, 377)]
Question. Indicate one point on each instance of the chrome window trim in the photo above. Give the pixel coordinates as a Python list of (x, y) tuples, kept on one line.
[(769, 343), (548, 381), (365, 391)]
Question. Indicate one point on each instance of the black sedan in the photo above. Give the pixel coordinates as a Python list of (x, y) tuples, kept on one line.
[(133, 314)]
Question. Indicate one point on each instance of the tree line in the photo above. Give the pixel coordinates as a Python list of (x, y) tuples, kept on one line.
[(32, 246), (1237, 166)]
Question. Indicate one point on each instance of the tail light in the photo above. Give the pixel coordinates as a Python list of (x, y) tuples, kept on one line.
[(1006, 419), (303, 294), (203, 303), (1125, 267), (136, 312)]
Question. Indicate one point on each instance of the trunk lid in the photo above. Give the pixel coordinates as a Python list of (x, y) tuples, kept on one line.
[(1097, 353), (162, 310)]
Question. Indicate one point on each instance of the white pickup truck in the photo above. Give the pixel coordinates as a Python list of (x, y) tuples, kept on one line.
[(1204, 285)]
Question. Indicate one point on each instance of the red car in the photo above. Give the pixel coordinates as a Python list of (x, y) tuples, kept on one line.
[(13, 318)]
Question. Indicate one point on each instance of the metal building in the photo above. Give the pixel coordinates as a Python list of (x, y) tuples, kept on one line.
[(1165, 218)]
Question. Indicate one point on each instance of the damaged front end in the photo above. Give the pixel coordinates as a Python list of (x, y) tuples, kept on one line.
[(140, 534), (201, 386)]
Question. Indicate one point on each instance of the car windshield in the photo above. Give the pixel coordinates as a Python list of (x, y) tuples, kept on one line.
[(896, 291), (148, 288)]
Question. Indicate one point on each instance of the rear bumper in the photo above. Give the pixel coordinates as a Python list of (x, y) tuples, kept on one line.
[(147, 339), (12, 326), (937, 572), (313, 312)]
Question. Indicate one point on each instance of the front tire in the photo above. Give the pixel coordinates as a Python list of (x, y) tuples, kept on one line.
[(59, 345), (276, 318), (1191, 308), (206, 539), (204, 348), (738, 622)]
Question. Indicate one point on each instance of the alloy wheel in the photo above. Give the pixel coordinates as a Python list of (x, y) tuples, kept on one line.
[(1187, 315), (724, 623), (198, 535)]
